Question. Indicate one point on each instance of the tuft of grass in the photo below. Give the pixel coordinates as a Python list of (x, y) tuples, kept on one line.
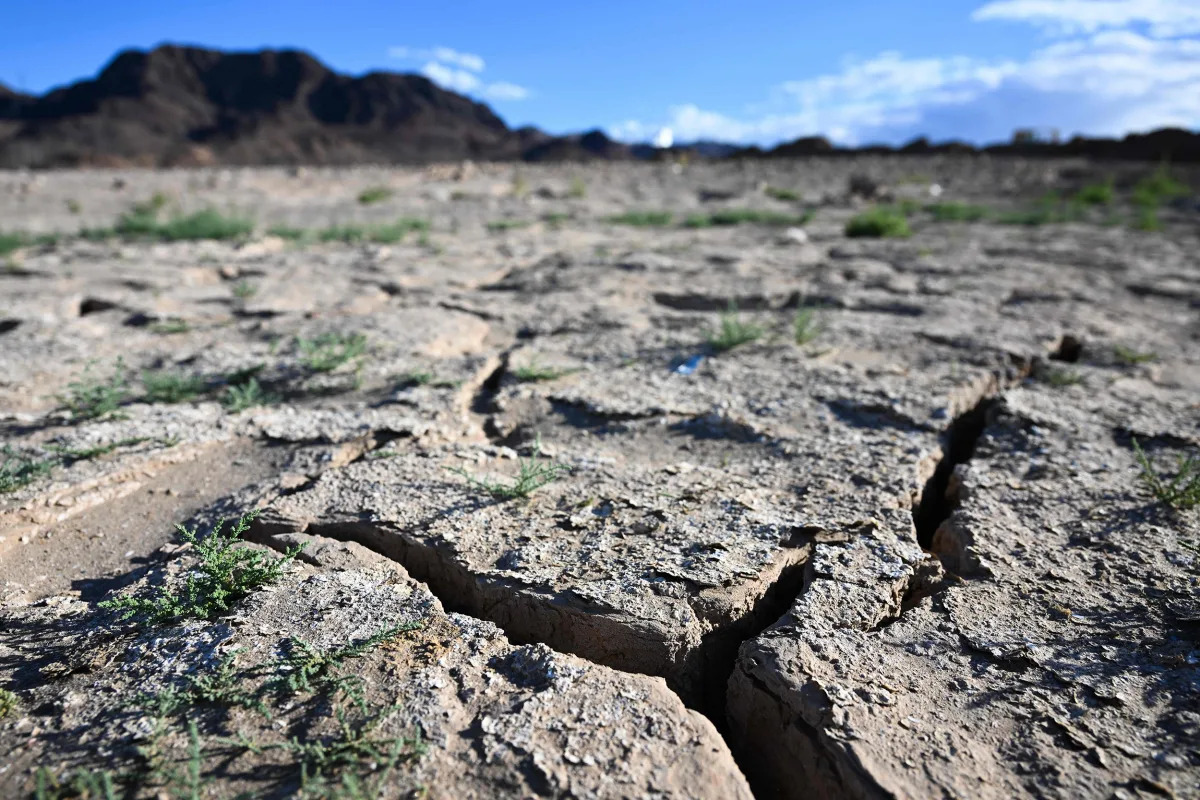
[(8, 702), (329, 351), (1158, 188), (1061, 377), (1130, 357), (374, 194), (555, 218), (248, 394), (956, 212), (79, 785), (172, 325), (533, 371), (1096, 194), (532, 474), (226, 573), (578, 188), (739, 216), (172, 387), (18, 470), (387, 233), (878, 222), (733, 332), (244, 289), (306, 670), (804, 325), (499, 225), (206, 224), (786, 195), (91, 398), (641, 219), (1182, 492), (73, 206), (1146, 219), (10, 242)]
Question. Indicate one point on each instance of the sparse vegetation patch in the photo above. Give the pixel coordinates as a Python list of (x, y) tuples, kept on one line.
[(878, 222)]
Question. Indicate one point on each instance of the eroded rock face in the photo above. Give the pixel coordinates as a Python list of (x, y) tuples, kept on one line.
[(897, 548)]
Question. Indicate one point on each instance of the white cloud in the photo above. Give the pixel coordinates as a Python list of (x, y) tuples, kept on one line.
[(1109, 81), (458, 71), (458, 80), (1165, 18)]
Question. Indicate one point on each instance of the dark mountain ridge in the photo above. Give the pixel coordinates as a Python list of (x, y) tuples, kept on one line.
[(191, 106)]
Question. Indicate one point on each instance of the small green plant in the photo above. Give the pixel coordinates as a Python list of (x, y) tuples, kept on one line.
[(171, 387), (1181, 492), (804, 325), (79, 785), (226, 573), (417, 377), (207, 224), (533, 371), (247, 394), (329, 351), (10, 242), (1130, 357), (641, 219), (532, 474), (18, 470), (73, 206), (555, 218), (578, 188), (90, 398), (733, 332), (170, 326), (307, 670), (786, 195), (216, 687), (1096, 194), (1158, 188), (388, 233), (1061, 377), (878, 222), (500, 225), (8, 702), (1146, 219), (739, 216), (519, 187), (956, 212), (244, 289), (374, 194)]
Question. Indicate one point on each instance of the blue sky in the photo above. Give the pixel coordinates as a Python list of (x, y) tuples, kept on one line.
[(756, 72)]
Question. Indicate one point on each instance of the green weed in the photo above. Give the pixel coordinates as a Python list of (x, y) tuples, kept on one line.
[(289, 233), (1061, 377), (1130, 357), (73, 206), (244, 290), (306, 669), (71, 455), (1181, 492), (956, 212), (247, 394), (18, 470), (170, 326), (878, 222), (8, 702), (79, 785), (532, 474), (171, 387), (1096, 194), (90, 398), (375, 194), (500, 225), (733, 332), (578, 188), (804, 325), (533, 371), (387, 233), (786, 195), (1158, 188), (642, 219), (739, 216), (225, 574), (329, 351), (10, 242)]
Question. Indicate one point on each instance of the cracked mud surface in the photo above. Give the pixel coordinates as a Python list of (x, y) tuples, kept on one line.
[(910, 557)]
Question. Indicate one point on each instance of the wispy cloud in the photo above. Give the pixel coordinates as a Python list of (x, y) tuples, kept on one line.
[(1164, 18), (1111, 67), (458, 71)]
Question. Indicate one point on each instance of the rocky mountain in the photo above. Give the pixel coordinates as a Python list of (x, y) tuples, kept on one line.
[(191, 106)]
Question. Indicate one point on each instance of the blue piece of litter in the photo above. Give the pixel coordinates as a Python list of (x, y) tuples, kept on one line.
[(689, 366)]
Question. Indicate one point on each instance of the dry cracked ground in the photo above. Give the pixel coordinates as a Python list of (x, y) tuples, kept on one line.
[(638, 481)]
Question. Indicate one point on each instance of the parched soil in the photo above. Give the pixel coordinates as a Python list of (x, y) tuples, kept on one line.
[(622, 480)]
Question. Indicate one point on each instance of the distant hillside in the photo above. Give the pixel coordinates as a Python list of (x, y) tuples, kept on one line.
[(192, 106)]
